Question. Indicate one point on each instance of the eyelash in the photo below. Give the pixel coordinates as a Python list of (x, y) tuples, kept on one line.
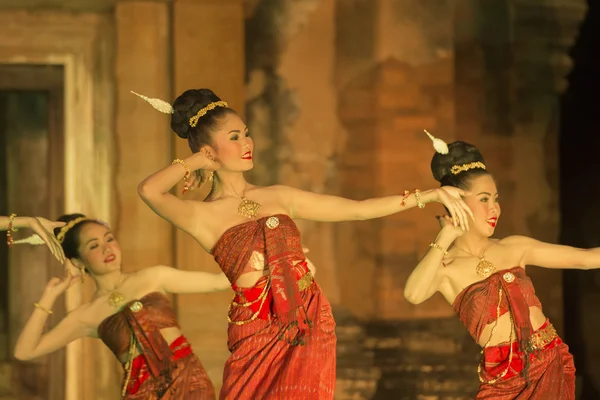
[(110, 239), (236, 137)]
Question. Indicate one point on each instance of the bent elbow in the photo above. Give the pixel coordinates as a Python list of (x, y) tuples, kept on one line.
[(22, 356), (412, 299), (142, 189), (145, 190)]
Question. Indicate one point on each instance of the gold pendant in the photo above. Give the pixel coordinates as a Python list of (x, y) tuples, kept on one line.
[(248, 208), (485, 268), (116, 299)]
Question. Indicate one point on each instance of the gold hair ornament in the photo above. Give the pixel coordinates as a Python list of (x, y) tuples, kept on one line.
[(67, 227), (202, 112), (158, 104), (438, 144), (457, 169)]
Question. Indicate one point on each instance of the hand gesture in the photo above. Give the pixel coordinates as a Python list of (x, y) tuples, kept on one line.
[(57, 286), (44, 229), (451, 198), (448, 227), (202, 160)]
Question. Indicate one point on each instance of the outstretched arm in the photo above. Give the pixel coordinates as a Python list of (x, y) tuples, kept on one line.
[(320, 207), (42, 227), (179, 281), (32, 342), (549, 255)]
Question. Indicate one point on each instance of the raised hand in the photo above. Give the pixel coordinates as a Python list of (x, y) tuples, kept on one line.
[(451, 198), (44, 229)]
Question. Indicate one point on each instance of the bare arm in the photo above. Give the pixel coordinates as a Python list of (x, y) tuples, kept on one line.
[(556, 256), (154, 191), (33, 343), (425, 279), (320, 207), (19, 222), (181, 281), (42, 227)]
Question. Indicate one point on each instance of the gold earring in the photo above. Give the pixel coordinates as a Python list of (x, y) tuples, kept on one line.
[(83, 273), (211, 176)]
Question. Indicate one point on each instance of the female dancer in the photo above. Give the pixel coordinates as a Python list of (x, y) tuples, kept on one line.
[(281, 333), (42, 228), (129, 312), (485, 281)]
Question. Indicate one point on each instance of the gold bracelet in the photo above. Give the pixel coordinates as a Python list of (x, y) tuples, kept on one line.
[(440, 248), (11, 229), (187, 169), (44, 309), (420, 204)]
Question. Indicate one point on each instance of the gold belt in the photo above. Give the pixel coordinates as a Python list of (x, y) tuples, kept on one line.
[(543, 337), (305, 281)]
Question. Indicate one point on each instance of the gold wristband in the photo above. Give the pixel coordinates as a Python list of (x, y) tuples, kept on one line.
[(420, 204), (440, 248), (11, 223), (44, 309), (187, 169)]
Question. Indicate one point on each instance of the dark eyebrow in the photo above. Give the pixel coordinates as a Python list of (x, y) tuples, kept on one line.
[(91, 240)]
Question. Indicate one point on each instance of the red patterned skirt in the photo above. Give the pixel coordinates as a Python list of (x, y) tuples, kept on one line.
[(551, 372), (188, 379), (264, 363)]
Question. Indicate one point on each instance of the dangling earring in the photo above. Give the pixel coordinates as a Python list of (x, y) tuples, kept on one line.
[(211, 176)]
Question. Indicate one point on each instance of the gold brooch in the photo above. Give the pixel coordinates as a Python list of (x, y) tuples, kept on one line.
[(272, 222)]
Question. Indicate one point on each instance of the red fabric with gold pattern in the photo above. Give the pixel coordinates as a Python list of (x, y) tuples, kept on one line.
[(161, 371), (266, 361)]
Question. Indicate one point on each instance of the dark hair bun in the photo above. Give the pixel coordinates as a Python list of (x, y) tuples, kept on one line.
[(459, 153), (186, 106)]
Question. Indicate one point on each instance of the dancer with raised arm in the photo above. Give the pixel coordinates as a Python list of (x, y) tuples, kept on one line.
[(129, 312), (282, 332), (485, 280)]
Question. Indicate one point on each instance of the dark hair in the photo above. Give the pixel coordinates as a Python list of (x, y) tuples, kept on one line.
[(186, 106), (70, 243), (459, 153)]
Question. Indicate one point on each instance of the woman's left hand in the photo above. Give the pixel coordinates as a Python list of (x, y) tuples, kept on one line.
[(451, 198)]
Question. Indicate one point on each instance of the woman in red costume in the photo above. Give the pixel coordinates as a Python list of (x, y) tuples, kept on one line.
[(281, 333), (129, 312), (485, 281)]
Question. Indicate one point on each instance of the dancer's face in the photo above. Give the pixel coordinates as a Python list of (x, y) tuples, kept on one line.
[(99, 251), (483, 201), (232, 145)]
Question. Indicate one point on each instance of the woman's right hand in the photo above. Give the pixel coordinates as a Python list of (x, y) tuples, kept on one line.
[(57, 286), (202, 160), (448, 228)]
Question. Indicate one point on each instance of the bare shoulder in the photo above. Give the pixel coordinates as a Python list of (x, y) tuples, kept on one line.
[(516, 240)]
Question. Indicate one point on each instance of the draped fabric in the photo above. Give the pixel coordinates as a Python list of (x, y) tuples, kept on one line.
[(546, 373), (160, 371), (282, 335)]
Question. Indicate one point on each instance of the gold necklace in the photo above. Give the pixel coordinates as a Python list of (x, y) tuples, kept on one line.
[(484, 268), (116, 299), (247, 208)]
